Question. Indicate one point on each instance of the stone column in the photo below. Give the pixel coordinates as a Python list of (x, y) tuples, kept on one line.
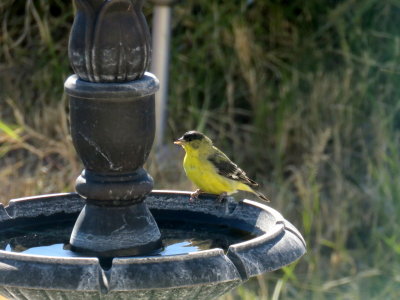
[(112, 127)]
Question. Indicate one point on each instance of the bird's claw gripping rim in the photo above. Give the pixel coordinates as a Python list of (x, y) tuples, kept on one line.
[(195, 195), (222, 197)]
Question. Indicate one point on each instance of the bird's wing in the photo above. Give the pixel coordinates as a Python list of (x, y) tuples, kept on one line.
[(229, 169)]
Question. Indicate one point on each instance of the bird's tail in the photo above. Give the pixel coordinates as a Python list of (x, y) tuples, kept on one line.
[(247, 188)]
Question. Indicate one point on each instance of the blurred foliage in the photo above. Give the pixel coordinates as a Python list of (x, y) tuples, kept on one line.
[(304, 95)]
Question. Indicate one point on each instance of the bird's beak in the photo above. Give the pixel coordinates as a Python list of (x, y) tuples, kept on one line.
[(179, 141)]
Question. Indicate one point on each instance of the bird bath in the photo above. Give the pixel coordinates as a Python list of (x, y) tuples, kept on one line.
[(116, 238), (226, 244)]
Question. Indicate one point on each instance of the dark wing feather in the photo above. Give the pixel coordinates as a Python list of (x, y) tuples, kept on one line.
[(229, 169)]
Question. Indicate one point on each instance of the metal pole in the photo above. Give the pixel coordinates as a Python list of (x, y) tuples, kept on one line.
[(160, 62)]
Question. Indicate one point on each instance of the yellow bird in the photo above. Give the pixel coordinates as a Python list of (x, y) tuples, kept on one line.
[(211, 170)]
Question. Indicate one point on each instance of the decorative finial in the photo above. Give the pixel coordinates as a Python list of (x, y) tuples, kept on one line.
[(110, 41)]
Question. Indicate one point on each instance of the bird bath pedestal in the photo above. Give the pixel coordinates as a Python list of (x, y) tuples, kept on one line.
[(114, 238)]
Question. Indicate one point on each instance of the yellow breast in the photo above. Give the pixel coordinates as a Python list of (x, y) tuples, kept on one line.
[(205, 176)]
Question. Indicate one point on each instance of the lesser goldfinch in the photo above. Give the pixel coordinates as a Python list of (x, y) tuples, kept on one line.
[(211, 170)]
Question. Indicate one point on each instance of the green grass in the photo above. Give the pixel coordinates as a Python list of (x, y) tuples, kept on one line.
[(303, 95)]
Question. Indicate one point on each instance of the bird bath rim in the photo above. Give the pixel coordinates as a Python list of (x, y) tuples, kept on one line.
[(8, 213), (277, 243)]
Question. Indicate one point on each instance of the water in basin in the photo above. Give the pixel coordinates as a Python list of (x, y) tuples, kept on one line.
[(51, 239)]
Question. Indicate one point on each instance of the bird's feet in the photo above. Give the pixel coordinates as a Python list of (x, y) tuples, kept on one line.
[(222, 197), (194, 195)]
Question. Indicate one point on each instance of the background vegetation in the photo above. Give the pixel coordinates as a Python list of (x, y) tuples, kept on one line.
[(304, 95)]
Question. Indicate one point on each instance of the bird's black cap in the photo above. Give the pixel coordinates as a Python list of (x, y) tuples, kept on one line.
[(192, 136)]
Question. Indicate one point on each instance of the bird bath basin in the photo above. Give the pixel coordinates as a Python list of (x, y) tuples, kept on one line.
[(208, 249)]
